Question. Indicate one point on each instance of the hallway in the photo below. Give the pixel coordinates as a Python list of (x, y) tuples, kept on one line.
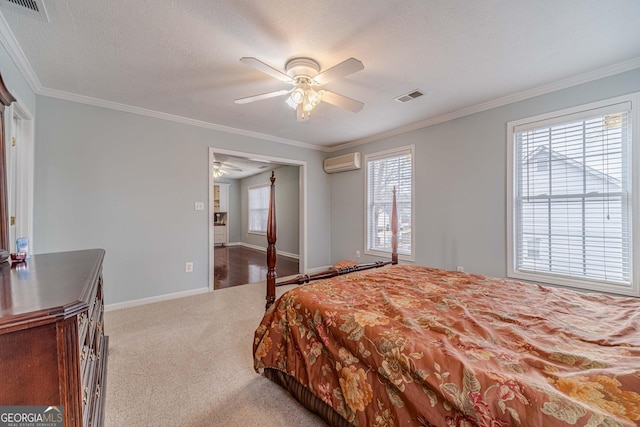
[(238, 265)]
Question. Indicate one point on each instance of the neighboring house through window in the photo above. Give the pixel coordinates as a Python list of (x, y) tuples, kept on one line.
[(258, 208), (384, 172), (571, 198)]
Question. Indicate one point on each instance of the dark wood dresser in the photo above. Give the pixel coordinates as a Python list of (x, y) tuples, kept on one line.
[(52, 346)]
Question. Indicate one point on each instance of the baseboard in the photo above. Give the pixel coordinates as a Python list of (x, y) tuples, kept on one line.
[(260, 248), (144, 301)]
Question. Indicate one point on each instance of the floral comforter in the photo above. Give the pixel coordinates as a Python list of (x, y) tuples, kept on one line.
[(409, 345)]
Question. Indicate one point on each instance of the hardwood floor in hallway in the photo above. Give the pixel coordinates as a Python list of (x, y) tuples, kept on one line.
[(238, 265)]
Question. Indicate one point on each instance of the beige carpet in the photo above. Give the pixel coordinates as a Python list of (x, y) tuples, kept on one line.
[(188, 362)]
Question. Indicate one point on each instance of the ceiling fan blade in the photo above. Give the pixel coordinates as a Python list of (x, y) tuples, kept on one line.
[(267, 69), (342, 69), (342, 101), (262, 96)]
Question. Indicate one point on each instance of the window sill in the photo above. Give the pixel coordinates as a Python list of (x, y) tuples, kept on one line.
[(626, 289), (387, 255)]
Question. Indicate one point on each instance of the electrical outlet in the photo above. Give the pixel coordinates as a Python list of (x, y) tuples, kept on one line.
[(199, 206), (460, 268), (188, 267), (357, 254)]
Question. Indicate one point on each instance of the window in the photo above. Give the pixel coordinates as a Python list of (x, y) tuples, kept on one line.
[(570, 206), (258, 208), (384, 171)]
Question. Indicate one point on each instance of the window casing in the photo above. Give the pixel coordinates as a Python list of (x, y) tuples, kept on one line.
[(258, 208), (384, 171), (570, 198)]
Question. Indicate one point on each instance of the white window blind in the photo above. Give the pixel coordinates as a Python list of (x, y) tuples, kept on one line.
[(258, 208), (572, 196), (384, 172)]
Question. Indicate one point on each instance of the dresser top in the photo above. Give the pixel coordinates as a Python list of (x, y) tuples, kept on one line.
[(47, 286)]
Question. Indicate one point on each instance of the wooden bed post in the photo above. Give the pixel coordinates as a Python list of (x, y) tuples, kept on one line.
[(332, 272), (394, 230), (271, 248)]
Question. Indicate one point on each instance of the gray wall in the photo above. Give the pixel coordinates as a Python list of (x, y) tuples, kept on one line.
[(127, 183), (235, 205), (287, 208), (460, 182)]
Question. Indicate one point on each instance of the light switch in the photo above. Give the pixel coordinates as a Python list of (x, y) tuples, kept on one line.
[(199, 206)]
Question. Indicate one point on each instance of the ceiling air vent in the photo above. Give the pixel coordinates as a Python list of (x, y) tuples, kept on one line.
[(33, 8), (409, 96)]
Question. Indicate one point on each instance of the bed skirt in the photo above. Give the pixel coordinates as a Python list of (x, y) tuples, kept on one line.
[(306, 398)]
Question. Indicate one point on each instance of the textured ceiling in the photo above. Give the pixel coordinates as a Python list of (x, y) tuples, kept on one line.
[(182, 57), (235, 167)]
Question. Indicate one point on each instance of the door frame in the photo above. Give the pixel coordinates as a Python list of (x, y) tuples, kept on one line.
[(19, 123), (302, 232)]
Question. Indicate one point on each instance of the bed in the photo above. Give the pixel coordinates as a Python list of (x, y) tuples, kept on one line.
[(406, 345)]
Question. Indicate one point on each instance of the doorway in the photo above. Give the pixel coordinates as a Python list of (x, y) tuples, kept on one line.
[(19, 158), (246, 250)]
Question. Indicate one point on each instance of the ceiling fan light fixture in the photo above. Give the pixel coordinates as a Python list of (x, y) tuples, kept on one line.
[(301, 114), (304, 98), (291, 103), (217, 171), (297, 96), (314, 98)]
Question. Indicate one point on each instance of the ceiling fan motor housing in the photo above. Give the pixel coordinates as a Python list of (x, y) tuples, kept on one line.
[(302, 67)]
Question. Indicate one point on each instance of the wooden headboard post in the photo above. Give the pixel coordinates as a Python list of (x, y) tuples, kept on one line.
[(332, 272), (271, 248), (394, 230)]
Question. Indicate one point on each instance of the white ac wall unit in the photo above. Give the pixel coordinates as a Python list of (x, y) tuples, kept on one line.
[(348, 162)]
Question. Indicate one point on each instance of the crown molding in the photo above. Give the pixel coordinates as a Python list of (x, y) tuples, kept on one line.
[(97, 102), (600, 73), (16, 53)]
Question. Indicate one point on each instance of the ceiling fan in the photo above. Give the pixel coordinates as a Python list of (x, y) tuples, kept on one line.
[(305, 76), (220, 169)]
